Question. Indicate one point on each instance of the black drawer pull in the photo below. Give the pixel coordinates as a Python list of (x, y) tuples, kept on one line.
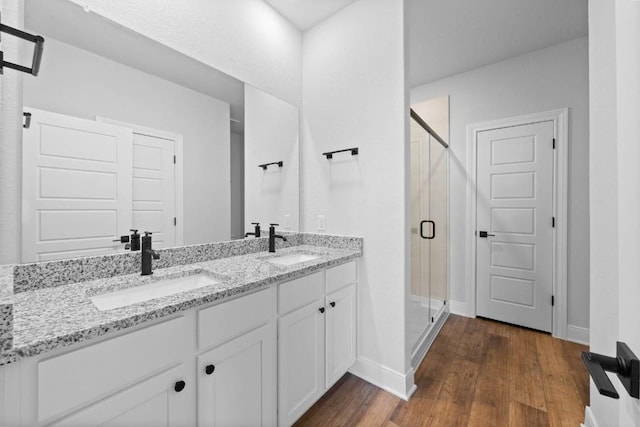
[(209, 369), (332, 303), (321, 309), (179, 386)]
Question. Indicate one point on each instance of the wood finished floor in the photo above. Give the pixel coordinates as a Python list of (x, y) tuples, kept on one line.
[(477, 373)]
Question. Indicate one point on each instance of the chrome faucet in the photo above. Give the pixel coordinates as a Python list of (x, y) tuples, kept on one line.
[(256, 231), (147, 254), (273, 236)]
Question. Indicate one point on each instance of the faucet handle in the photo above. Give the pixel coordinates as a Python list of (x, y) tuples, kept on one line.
[(147, 233), (255, 223), (274, 225)]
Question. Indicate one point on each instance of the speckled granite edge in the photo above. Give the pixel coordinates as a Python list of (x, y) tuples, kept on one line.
[(6, 327), (31, 276), (333, 241)]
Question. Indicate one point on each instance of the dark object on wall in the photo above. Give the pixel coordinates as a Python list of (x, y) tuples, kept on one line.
[(626, 365), (264, 166), (354, 152), (38, 41)]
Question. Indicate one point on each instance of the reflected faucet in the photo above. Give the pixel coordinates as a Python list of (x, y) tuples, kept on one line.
[(273, 236), (147, 254), (256, 232)]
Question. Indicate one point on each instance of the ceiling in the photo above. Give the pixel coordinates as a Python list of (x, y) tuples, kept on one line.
[(69, 23), (304, 14), (448, 37)]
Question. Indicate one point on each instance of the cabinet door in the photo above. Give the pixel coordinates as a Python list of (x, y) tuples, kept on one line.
[(153, 402), (341, 333), (300, 361), (237, 380)]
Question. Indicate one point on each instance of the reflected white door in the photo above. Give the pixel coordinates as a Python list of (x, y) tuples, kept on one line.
[(514, 266), (76, 187), (154, 201)]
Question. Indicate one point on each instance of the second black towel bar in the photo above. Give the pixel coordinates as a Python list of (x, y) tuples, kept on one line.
[(329, 154)]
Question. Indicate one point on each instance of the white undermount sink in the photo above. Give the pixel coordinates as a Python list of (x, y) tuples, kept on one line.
[(294, 258), (161, 288)]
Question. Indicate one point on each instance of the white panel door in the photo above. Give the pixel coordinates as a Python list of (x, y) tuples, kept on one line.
[(515, 208), (76, 187), (154, 202), (237, 381)]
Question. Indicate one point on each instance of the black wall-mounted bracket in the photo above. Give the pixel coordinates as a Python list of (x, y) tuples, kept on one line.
[(38, 41), (626, 365), (354, 152), (266, 165)]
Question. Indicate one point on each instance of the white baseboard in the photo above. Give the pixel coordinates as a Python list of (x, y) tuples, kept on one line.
[(387, 379), (459, 308), (589, 418), (578, 334)]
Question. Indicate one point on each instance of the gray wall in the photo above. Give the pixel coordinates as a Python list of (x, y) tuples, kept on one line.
[(78, 83), (548, 79)]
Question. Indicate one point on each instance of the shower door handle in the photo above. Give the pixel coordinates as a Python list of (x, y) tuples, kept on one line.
[(433, 229)]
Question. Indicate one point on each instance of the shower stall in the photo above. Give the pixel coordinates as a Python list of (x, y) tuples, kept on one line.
[(429, 291)]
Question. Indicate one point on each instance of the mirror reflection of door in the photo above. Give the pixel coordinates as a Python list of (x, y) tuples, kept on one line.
[(87, 183)]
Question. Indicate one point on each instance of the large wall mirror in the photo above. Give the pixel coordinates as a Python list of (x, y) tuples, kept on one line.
[(128, 133)]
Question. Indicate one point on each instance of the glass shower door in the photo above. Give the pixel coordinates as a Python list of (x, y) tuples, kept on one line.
[(419, 310)]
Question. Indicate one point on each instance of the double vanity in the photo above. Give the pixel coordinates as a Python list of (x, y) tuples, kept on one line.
[(220, 334)]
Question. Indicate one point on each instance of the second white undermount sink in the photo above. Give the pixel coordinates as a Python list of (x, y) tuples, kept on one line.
[(294, 258), (159, 289)]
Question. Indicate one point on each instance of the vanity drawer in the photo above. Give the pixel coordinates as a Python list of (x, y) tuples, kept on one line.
[(77, 378), (228, 320), (300, 292), (341, 276)]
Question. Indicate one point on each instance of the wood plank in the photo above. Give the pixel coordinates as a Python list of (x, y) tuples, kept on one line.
[(491, 400), (526, 378), (572, 352), (521, 415), (376, 411), (564, 405)]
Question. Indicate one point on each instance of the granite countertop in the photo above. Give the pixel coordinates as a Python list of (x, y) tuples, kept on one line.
[(54, 317)]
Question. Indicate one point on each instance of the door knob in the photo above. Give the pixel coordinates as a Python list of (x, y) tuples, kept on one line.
[(484, 234), (625, 364)]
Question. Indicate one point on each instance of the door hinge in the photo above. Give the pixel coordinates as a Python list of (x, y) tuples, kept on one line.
[(553, 221), (174, 159), (554, 143), (175, 221), (553, 301)]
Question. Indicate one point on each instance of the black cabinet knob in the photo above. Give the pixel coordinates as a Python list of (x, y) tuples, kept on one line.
[(321, 309), (180, 385), (209, 369), (332, 303)]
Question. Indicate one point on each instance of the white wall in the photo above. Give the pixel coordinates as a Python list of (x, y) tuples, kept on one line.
[(10, 140), (271, 134), (354, 96), (614, 31), (246, 39), (237, 186), (548, 79), (81, 84)]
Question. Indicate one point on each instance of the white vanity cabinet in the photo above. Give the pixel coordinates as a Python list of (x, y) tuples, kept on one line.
[(316, 337), (261, 359), (237, 377)]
